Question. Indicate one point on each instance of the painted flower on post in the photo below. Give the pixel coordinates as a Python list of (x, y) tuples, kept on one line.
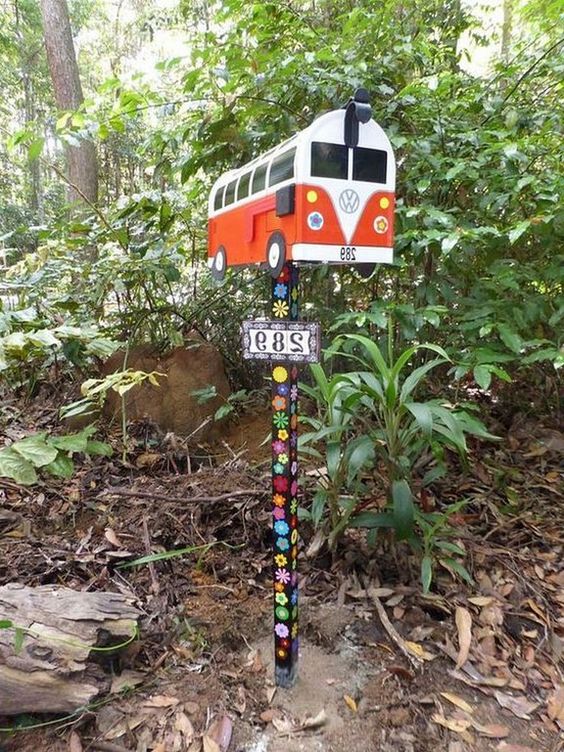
[(280, 374), (281, 528), (280, 309), (278, 513), (282, 388), (283, 435), (279, 403), (280, 420), (294, 392), (281, 599), (280, 483), (282, 544), (282, 630), (280, 560), (281, 290), (279, 446), (279, 500), (277, 468), (282, 575)]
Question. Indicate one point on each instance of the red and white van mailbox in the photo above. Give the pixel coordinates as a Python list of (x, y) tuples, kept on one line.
[(325, 195)]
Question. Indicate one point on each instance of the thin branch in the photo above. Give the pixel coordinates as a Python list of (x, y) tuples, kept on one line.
[(182, 499)]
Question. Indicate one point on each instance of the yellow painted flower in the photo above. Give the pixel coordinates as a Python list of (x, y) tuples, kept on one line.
[(280, 309), (279, 374), (283, 434), (280, 560)]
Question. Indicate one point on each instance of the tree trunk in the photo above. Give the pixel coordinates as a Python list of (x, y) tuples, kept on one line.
[(47, 636), (82, 167), (506, 29)]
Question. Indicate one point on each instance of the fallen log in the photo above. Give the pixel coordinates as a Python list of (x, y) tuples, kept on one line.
[(51, 643)]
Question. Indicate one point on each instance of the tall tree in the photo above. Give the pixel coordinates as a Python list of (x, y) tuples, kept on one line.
[(81, 160)]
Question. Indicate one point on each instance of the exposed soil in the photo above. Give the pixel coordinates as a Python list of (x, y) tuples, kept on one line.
[(205, 650)]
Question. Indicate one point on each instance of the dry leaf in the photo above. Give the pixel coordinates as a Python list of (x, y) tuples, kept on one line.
[(319, 720), (458, 725), (464, 626), (481, 600), (240, 703), (127, 678), (267, 716), (505, 747), (161, 701), (183, 724), (147, 459), (210, 745), (351, 704), (555, 705), (458, 701), (283, 725), (75, 745), (419, 651), (492, 730), (519, 706), (112, 538), (220, 732)]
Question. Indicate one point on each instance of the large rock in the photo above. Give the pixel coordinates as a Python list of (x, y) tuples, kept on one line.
[(172, 405)]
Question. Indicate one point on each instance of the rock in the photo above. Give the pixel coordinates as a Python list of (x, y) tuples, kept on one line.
[(171, 405)]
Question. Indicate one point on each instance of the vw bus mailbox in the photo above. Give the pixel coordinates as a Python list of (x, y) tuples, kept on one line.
[(326, 195)]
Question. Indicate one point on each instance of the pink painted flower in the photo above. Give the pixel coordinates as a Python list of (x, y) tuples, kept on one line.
[(278, 513), (294, 487), (279, 446), (281, 630), (282, 575)]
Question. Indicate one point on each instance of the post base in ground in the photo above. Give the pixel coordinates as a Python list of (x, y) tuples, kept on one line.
[(286, 676)]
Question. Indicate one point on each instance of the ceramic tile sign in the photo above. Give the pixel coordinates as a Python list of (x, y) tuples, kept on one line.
[(292, 341)]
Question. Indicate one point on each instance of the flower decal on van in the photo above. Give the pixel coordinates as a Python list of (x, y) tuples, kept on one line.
[(315, 221)]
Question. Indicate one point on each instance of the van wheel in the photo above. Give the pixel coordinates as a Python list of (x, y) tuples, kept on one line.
[(276, 253), (365, 270), (219, 264)]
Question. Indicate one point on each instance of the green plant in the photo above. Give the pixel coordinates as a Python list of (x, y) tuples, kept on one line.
[(371, 417), (95, 392), (230, 405), (52, 454)]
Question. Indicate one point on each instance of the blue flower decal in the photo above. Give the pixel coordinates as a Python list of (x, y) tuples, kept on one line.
[(281, 527), (280, 290), (282, 544), (278, 468)]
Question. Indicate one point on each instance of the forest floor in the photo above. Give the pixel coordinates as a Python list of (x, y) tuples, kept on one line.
[(202, 669)]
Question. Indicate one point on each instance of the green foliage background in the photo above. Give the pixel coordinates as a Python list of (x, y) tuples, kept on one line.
[(479, 224)]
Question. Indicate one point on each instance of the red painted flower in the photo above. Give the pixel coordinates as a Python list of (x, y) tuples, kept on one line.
[(280, 483)]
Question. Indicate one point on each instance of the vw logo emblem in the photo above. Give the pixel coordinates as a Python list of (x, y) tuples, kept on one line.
[(349, 201)]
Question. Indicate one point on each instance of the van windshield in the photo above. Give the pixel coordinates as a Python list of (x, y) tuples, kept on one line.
[(369, 165), (329, 160)]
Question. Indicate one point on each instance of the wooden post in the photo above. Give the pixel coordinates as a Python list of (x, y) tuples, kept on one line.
[(285, 487)]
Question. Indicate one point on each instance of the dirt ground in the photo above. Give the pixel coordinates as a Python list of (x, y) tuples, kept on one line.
[(202, 670)]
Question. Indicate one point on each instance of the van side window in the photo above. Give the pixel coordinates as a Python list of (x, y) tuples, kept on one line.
[(259, 178), (370, 165), (282, 167), (230, 192), (244, 185), (329, 160), (218, 199)]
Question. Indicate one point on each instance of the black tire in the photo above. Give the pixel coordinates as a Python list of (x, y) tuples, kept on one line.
[(365, 270), (276, 253), (219, 264)]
